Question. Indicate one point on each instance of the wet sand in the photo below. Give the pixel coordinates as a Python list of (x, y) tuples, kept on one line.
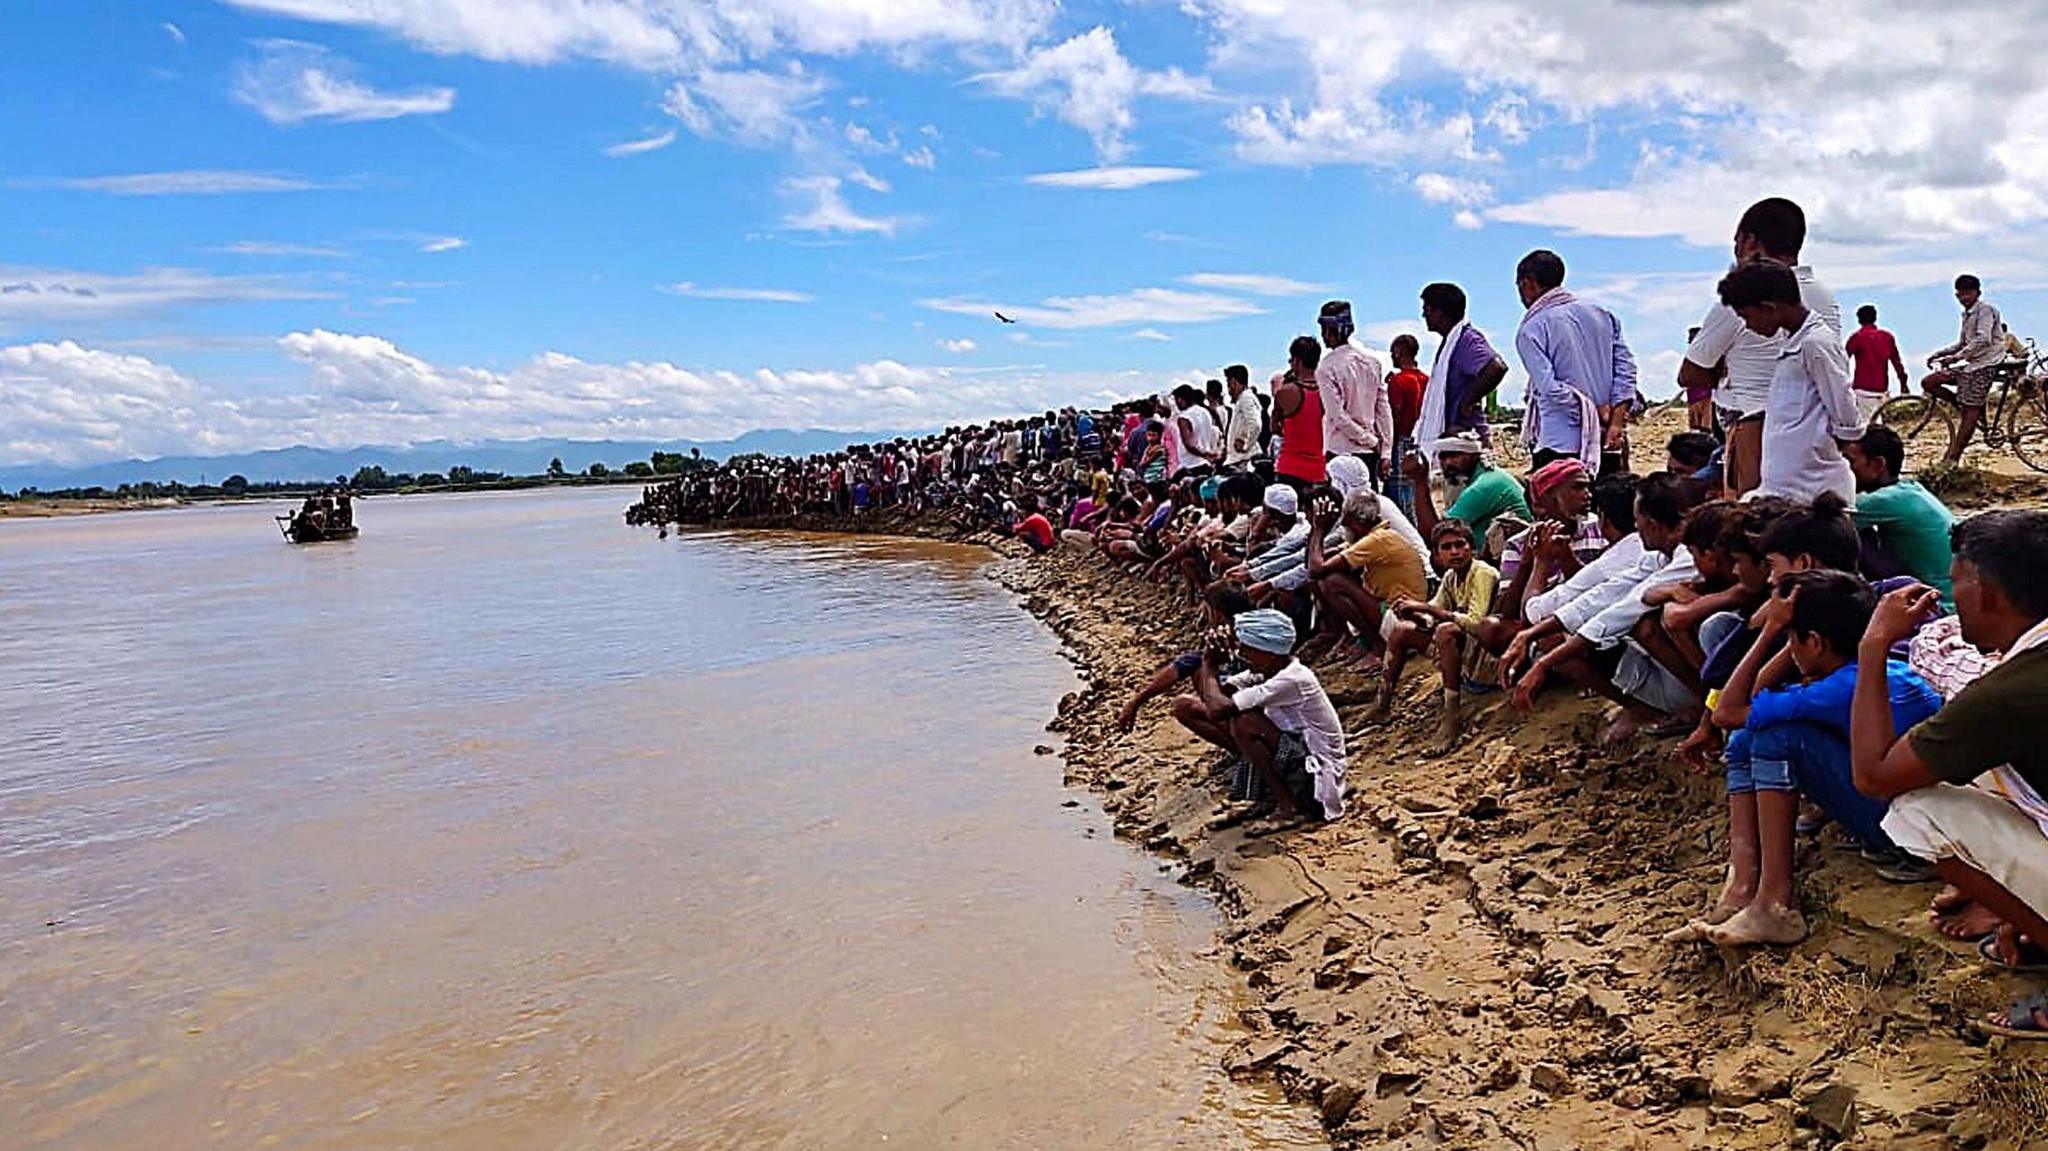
[(506, 826)]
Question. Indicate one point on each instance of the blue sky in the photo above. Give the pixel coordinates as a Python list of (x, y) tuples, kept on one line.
[(247, 224)]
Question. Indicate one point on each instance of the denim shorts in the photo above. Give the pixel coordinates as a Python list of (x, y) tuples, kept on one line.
[(1747, 775)]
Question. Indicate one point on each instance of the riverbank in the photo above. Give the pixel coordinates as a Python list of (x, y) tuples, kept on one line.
[(1474, 957)]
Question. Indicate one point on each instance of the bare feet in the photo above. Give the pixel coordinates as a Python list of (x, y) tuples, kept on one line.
[(1759, 924), (1382, 707), (1734, 897), (1626, 725), (1959, 917), (1450, 726)]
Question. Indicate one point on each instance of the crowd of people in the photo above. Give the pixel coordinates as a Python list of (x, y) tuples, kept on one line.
[(1769, 590)]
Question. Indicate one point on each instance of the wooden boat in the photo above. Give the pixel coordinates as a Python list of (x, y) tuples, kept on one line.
[(300, 530)]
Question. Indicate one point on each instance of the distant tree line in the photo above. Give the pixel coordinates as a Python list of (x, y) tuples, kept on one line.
[(374, 478)]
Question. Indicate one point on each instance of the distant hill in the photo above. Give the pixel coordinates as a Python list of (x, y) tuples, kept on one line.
[(513, 457)]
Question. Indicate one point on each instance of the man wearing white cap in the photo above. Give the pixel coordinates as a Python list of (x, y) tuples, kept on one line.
[(1275, 714)]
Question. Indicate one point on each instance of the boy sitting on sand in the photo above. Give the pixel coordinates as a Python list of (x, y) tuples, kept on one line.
[(1788, 710), (1452, 619), (1276, 715)]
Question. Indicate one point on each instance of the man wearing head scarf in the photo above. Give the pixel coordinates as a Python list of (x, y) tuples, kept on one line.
[(1485, 490), (1562, 496), (1276, 715), (1358, 419)]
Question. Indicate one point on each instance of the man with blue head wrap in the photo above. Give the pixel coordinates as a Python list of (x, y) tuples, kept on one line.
[(1275, 714)]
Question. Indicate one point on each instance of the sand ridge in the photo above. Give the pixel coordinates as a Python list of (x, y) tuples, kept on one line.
[(1473, 958)]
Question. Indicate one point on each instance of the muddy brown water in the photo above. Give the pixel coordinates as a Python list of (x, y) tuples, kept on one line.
[(506, 826)]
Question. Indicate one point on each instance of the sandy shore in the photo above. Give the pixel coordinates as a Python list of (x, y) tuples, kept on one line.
[(1473, 957), (31, 509)]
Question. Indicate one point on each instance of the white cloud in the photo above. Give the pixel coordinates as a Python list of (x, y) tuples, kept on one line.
[(51, 295), (921, 157), (1256, 284), (294, 82), (1468, 219), (958, 347), (1087, 82), (825, 210), (666, 35), (642, 146), (753, 295), (275, 248), (1143, 305), (1151, 334), (753, 106), (1438, 188), (444, 244), (176, 33), (1114, 179), (64, 404), (188, 182)]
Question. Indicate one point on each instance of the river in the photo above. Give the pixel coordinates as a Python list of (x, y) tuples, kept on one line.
[(506, 826)]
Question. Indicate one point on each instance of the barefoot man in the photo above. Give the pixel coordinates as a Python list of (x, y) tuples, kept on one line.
[(1275, 714)]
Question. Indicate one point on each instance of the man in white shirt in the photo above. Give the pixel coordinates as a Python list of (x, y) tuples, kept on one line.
[(1586, 638), (1968, 365), (1201, 448), (1771, 229), (1241, 434), (1276, 715), (1811, 407), (1358, 418)]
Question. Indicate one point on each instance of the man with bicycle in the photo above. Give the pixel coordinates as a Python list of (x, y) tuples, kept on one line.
[(1964, 371)]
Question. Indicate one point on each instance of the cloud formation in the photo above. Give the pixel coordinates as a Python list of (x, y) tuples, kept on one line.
[(1113, 179), (642, 146), (1086, 81), (186, 182), (65, 404), (753, 295), (66, 296), (1141, 306), (294, 82)]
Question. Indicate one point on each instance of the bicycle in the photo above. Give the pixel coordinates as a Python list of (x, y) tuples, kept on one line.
[(2015, 411)]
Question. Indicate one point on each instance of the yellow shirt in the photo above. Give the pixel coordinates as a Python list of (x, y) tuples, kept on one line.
[(1387, 565), (1468, 597)]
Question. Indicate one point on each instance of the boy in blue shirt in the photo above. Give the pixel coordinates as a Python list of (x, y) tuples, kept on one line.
[(1789, 707)]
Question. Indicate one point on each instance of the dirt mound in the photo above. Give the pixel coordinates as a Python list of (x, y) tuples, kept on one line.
[(1473, 958)]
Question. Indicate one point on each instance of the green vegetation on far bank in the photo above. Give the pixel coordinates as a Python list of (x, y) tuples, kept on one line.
[(371, 480)]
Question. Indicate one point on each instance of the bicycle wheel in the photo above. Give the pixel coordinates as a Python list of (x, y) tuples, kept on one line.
[(2026, 429), (1919, 419)]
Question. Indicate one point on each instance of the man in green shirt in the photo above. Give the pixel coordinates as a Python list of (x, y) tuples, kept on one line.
[(1911, 524), (1488, 491), (1990, 841)]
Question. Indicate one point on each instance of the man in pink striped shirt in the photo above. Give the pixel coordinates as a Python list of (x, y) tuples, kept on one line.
[(1358, 419)]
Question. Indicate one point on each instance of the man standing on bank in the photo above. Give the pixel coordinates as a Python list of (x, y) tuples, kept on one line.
[(1357, 418), (1582, 379)]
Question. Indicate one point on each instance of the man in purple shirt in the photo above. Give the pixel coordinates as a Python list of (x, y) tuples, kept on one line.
[(1466, 363)]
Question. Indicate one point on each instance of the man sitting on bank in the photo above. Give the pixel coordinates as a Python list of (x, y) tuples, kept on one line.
[(1276, 715), (1484, 491), (1990, 841), (1376, 568)]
